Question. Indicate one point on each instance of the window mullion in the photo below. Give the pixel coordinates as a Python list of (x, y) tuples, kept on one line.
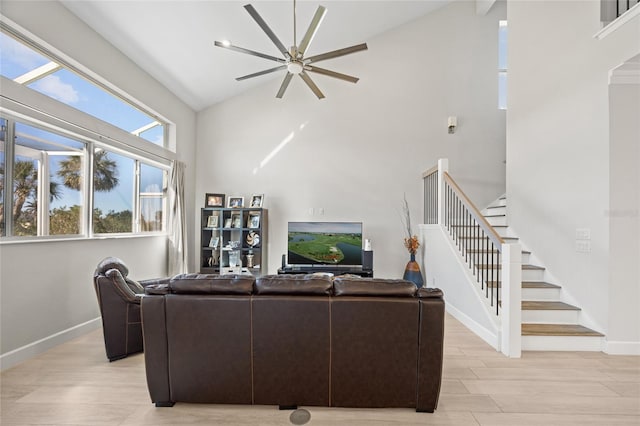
[(9, 158), (136, 197), (87, 191), (44, 185)]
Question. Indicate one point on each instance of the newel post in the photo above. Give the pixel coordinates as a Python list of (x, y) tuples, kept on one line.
[(511, 312), (443, 166)]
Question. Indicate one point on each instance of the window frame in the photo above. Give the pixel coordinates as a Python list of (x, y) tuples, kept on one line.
[(23, 104), (62, 61), (503, 71)]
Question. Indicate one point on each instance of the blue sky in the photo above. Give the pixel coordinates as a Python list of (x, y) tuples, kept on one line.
[(333, 227)]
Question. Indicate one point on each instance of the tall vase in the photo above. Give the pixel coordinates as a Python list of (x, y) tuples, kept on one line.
[(412, 272)]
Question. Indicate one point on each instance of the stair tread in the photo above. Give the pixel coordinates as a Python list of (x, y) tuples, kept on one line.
[(538, 284), (544, 305), (524, 267), (528, 284), (557, 330)]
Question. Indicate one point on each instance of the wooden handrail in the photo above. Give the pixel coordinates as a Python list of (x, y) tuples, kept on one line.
[(431, 171), (488, 229)]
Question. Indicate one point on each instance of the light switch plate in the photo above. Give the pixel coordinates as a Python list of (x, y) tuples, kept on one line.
[(583, 234)]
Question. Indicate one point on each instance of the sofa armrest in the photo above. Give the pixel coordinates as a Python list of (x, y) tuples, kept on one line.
[(430, 351), (122, 287), (156, 352), (429, 293)]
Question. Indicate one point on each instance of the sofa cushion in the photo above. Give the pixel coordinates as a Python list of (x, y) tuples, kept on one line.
[(310, 284), (211, 284), (373, 287), (112, 263), (157, 289)]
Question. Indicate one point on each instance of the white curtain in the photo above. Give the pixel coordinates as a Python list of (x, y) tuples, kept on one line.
[(177, 225)]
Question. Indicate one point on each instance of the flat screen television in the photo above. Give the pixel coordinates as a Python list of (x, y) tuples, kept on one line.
[(325, 243)]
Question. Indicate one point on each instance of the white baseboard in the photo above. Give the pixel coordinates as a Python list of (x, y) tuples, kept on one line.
[(488, 336), (31, 350), (622, 348)]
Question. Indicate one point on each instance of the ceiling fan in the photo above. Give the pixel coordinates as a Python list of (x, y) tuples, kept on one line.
[(294, 60)]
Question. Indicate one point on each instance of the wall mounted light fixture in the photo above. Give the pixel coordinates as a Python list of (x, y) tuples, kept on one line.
[(452, 123)]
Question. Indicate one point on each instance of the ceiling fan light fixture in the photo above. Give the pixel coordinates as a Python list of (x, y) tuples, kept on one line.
[(295, 61), (295, 67)]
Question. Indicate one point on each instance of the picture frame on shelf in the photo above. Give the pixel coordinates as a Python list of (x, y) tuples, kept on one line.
[(227, 222), (214, 200), (214, 242), (235, 202), (212, 221), (253, 220), (257, 200), (236, 220)]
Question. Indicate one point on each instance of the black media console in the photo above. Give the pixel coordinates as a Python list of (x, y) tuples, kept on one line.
[(335, 270)]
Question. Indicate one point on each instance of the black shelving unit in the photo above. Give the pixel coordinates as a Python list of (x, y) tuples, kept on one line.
[(241, 230)]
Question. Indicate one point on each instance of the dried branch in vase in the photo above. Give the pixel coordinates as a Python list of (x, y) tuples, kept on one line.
[(411, 240)]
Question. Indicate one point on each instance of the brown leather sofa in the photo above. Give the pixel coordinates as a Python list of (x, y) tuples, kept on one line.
[(293, 340), (119, 301)]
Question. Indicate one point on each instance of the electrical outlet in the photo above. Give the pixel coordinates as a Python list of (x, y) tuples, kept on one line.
[(321, 211), (583, 246), (310, 211)]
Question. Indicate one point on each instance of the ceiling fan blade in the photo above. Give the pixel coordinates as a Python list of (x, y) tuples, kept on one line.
[(336, 53), (285, 84), (256, 17), (311, 84), (332, 74), (248, 52), (311, 31), (259, 73)]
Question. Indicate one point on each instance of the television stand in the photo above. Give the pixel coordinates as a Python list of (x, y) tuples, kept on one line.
[(335, 270)]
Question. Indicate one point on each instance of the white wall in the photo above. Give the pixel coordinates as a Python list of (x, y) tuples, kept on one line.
[(46, 287), (356, 152), (447, 270), (624, 209), (558, 142)]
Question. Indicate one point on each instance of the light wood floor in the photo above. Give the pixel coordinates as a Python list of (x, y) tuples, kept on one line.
[(75, 384)]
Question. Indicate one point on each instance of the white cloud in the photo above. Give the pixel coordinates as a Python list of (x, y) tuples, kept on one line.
[(20, 54), (54, 87)]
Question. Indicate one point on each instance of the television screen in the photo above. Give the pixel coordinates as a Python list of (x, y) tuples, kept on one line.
[(325, 243)]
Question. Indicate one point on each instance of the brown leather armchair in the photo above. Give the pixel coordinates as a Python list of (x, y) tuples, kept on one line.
[(119, 300)]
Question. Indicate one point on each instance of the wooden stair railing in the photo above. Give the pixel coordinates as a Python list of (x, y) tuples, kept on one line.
[(488, 257)]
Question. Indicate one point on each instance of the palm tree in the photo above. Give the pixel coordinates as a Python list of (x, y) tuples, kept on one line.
[(105, 172), (25, 185)]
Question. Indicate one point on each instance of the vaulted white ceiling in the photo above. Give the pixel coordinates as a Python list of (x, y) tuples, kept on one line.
[(173, 40)]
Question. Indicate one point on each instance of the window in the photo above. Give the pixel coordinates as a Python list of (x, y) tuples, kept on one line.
[(49, 189), (43, 202), (113, 187), (50, 77), (119, 197), (502, 65), (71, 175), (151, 198)]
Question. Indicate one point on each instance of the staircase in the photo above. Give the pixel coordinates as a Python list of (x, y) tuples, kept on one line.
[(548, 323)]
